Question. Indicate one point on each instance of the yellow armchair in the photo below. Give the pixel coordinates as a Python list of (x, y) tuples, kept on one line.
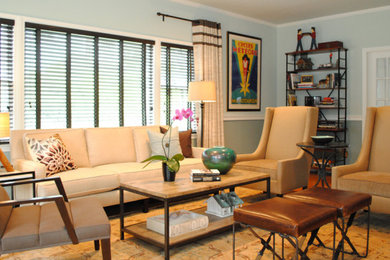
[(371, 171), (277, 153)]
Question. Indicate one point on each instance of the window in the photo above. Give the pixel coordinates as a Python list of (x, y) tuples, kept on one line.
[(6, 67), (76, 78), (177, 70)]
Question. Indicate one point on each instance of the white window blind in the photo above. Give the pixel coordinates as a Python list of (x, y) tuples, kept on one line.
[(177, 70), (6, 67), (77, 78)]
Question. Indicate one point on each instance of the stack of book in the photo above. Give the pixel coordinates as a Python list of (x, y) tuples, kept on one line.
[(304, 85), (198, 175)]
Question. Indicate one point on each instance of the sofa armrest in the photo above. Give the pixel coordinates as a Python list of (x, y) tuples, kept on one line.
[(28, 165), (197, 151), (339, 171)]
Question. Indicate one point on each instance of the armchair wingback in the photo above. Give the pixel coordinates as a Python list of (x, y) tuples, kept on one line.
[(277, 153), (371, 171)]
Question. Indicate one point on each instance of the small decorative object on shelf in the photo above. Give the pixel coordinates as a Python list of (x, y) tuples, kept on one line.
[(220, 158), (223, 204), (304, 63), (313, 36), (313, 39), (328, 45), (180, 222)]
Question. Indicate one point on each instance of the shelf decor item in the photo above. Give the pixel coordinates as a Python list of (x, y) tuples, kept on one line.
[(244, 72), (170, 164), (220, 158)]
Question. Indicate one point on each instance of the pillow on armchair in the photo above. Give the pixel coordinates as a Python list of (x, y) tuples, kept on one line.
[(52, 153)]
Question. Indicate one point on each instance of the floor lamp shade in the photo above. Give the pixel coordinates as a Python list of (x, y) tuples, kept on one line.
[(203, 91), (4, 125), (5, 132)]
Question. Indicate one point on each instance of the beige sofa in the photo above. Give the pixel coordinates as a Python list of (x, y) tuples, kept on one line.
[(371, 171), (105, 157)]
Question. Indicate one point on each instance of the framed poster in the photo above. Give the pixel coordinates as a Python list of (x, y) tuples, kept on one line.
[(243, 72)]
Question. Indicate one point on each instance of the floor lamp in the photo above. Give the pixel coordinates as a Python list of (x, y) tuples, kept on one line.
[(5, 133), (202, 91)]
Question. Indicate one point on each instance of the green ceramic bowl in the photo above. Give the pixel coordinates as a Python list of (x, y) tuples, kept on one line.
[(219, 157)]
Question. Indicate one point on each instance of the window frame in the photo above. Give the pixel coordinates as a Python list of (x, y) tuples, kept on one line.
[(19, 42)]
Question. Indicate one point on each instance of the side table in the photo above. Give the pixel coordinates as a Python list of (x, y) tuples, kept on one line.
[(325, 158)]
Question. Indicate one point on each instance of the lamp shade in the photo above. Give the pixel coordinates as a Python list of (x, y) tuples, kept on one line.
[(4, 125), (203, 91)]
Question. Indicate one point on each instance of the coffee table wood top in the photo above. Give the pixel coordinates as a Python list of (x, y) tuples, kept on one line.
[(156, 187)]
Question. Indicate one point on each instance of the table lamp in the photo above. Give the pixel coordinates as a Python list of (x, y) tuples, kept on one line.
[(202, 91), (5, 133)]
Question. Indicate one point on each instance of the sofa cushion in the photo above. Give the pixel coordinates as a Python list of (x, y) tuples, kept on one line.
[(110, 145), (374, 183), (141, 141), (74, 139), (81, 182), (52, 153), (185, 141), (171, 143), (133, 171)]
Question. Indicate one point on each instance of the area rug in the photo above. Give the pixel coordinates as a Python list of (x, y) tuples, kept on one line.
[(218, 246)]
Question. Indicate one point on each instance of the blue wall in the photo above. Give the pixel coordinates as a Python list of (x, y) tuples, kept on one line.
[(357, 31), (140, 17)]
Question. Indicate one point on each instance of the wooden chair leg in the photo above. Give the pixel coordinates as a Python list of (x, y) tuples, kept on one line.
[(97, 246), (106, 249)]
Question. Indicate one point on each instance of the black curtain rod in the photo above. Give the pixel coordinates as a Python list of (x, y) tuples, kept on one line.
[(176, 17)]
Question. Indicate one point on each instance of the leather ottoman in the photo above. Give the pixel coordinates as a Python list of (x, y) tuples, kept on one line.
[(288, 218), (347, 203)]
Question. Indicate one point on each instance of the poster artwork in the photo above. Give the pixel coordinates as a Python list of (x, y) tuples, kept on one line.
[(244, 72)]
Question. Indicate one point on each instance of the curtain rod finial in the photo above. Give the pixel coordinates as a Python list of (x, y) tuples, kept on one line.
[(163, 16)]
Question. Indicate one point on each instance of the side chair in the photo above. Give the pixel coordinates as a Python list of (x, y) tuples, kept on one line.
[(51, 221)]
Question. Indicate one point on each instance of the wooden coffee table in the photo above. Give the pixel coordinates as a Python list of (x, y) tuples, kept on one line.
[(181, 189)]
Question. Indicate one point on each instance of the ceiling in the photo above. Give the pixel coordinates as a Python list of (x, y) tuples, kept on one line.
[(286, 11)]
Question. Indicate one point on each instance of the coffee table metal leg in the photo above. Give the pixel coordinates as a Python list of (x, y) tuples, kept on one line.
[(121, 213), (166, 227), (269, 187)]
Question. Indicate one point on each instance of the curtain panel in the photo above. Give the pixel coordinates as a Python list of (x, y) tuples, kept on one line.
[(207, 41)]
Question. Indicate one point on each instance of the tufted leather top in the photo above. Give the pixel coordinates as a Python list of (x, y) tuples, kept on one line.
[(346, 202), (285, 216)]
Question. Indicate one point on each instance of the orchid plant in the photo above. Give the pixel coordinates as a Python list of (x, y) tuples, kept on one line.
[(173, 163)]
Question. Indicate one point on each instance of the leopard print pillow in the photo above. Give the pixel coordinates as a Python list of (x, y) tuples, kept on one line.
[(52, 153)]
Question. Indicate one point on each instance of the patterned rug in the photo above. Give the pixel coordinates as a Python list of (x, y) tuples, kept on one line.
[(218, 246)]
